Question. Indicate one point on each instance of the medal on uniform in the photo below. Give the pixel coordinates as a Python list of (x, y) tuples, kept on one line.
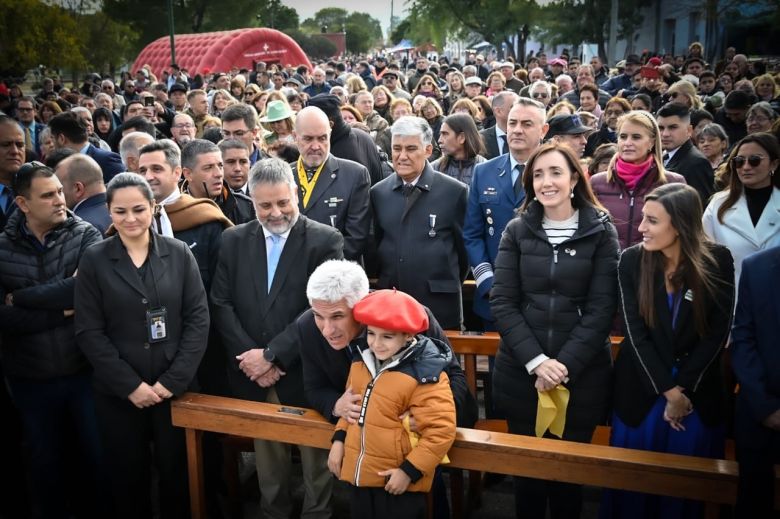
[(333, 220), (432, 223), (491, 231)]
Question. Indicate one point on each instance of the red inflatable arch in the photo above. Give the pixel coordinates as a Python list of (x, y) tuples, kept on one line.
[(220, 51)]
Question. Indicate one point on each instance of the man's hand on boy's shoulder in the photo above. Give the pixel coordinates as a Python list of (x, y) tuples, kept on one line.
[(348, 406)]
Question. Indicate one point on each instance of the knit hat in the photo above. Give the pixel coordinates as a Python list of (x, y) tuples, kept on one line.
[(328, 103), (391, 310)]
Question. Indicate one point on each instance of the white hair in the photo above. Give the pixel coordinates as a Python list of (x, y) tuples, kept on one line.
[(411, 126), (541, 83), (335, 280), (563, 77)]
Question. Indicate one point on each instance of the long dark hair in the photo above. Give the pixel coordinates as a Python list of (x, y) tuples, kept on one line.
[(583, 194), (473, 146), (697, 264), (735, 188)]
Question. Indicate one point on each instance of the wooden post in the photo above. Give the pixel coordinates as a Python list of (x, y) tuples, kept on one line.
[(195, 463)]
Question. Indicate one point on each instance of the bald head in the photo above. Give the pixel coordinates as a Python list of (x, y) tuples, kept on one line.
[(312, 135), (81, 178)]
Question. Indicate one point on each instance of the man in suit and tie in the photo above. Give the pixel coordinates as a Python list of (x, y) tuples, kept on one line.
[(25, 112), (84, 190), (12, 146), (496, 193), (756, 361), (495, 138), (680, 155), (259, 290), (332, 191), (69, 131), (418, 224)]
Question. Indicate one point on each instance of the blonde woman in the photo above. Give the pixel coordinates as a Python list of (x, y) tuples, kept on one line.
[(633, 172), (684, 92)]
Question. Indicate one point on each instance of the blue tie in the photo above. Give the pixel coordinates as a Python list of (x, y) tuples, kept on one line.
[(273, 258)]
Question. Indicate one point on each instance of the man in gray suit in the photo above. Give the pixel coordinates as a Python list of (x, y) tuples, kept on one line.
[(418, 223), (332, 191)]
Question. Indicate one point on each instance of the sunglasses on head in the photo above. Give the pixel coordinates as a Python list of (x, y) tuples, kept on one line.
[(753, 160)]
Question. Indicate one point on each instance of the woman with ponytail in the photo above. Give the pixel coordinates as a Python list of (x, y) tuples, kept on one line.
[(634, 171)]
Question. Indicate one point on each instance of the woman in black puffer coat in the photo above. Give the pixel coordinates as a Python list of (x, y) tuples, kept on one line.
[(554, 297)]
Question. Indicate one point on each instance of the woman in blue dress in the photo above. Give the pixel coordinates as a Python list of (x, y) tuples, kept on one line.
[(676, 297)]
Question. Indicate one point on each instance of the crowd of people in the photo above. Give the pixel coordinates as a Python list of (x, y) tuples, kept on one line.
[(217, 232)]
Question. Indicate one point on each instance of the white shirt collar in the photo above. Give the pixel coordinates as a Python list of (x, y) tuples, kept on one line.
[(268, 233), (85, 148)]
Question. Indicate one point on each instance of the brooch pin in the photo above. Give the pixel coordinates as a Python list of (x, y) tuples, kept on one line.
[(432, 223)]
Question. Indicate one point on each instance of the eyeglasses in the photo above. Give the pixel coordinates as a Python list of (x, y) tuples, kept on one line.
[(753, 160), (427, 83), (537, 95), (674, 95), (20, 109), (238, 134), (108, 87), (183, 126), (613, 112), (758, 119)]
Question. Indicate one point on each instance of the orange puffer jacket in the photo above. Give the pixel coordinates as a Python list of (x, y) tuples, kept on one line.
[(378, 442)]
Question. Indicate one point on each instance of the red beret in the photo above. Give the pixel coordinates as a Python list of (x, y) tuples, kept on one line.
[(391, 310), (650, 72)]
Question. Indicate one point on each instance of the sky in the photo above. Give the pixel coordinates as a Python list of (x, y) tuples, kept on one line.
[(379, 9)]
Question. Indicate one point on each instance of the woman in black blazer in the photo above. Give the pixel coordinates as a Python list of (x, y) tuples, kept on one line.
[(554, 297), (677, 295), (142, 321)]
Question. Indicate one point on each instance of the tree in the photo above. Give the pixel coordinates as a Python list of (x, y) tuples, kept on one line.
[(99, 29), (496, 21), (363, 31), (278, 16), (314, 45), (46, 36)]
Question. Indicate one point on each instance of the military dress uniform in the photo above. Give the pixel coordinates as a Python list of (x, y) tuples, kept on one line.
[(493, 202)]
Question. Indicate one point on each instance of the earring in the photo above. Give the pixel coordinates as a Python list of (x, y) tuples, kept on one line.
[(571, 195), (536, 199)]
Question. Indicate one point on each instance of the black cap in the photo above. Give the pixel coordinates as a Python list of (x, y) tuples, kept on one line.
[(329, 104), (633, 59), (738, 99), (566, 125), (177, 87)]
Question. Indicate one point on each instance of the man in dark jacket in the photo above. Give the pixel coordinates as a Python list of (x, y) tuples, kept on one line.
[(680, 155), (418, 225), (69, 131), (84, 190), (346, 143), (11, 159), (204, 177), (47, 375), (332, 191)]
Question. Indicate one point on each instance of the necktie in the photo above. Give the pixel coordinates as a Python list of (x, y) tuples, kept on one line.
[(518, 185), (408, 190), (665, 158), (28, 138), (504, 145), (158, 219), (273, 258)]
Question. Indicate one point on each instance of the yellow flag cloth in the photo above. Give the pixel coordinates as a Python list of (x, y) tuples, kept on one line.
[(414, 438), (551, 411)]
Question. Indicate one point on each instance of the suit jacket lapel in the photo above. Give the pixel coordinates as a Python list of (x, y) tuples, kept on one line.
[(160, 250), (327, 177), (290, 254), (424, 184), (675, 160), (769, 223), (124, 266), (258, 262)]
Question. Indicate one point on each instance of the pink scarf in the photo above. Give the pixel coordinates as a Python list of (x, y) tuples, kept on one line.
[(630, 173)]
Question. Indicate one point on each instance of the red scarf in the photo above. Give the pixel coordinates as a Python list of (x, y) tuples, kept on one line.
[(630, 173)]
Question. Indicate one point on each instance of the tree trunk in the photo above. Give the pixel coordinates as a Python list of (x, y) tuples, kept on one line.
[(510, 49)]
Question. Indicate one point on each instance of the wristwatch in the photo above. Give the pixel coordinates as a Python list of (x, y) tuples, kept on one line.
[(269, 356)]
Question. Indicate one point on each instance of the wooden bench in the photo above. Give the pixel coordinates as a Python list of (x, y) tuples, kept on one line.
[(708, 480)]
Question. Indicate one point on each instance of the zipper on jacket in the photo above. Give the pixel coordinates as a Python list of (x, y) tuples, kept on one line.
[(630, 236), (555, 256), (551, 313), (361, 423)]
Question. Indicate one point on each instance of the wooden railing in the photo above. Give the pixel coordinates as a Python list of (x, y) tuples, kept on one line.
[(708, 480)]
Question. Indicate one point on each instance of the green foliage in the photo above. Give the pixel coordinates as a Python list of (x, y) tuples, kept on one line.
[(100, 29), (277, 16), (363, 31), (493, 20), (44, 35), (315, 46)]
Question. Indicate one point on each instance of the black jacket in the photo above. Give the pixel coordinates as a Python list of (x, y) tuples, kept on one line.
[(42, 283), (643, 369), (559, 301), (111, 304), (357, 146), (697, 170), (238, 207), (325, 370), (596, 139)]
